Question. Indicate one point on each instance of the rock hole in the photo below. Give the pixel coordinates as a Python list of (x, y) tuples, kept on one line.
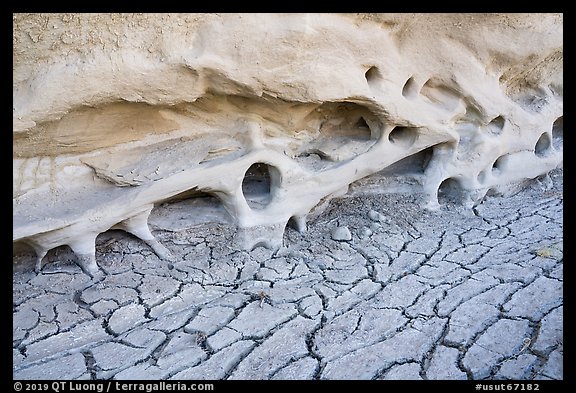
[(557, 133), (410, 165), (403, 136), (493, 192), (498, 165), (363, 130), (349, 121), (315, 154), (543, 145), (361, 123), (23, 257), (187, 209), (344, 131), (496, 125), (410, 89), (259, 185), (59, 257), (313, 159), (441, 95), (482, 177), (373, 76), (298, 225), (260, 244), (292, 223), (425, 156), (451, 191), (188, 194)]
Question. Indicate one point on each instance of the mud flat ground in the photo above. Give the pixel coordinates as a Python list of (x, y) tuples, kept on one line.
[(377, 288)]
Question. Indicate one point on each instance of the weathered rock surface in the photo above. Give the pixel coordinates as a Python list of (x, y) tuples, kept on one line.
[(386, 142), (115, 115)]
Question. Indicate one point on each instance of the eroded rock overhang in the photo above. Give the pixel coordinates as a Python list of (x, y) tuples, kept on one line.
[(273, 114)]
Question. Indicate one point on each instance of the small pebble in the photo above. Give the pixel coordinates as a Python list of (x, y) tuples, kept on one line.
[(341, 234)]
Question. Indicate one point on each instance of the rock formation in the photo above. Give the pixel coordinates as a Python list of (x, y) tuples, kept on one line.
[(273, 114)]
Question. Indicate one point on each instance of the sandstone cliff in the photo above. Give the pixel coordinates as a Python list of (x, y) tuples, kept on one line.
[(273, 114)]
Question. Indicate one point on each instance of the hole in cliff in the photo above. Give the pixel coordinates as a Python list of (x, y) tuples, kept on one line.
[(263, 244), (543, 144), (313, 154), (451, 191), (493, 192), (424, 157), (439, 94), (348, 121), (373, 76), (403, 136), (403, 176), (187, 209), (189, 194), (259, 185), (482, 176), (363, 132), (557, 133), (23, 257), (498, 165), (343, 131), (410, 89), (298, 225), (496, 125), (413, 164), (313, 159)]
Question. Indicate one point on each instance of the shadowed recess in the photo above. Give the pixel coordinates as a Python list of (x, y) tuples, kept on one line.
[(498, 165), (451, 190), (403, 136), (373, 76), (259, 185), (410, 89), (558, 133), (441, 95), (496, 125), (543, 145)]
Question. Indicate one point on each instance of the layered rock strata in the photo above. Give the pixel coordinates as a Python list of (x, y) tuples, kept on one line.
[(273, 114)]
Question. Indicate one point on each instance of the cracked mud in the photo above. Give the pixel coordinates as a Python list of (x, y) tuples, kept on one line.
[(402, 293)]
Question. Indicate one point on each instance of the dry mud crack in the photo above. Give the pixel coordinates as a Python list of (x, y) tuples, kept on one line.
[(403, 293)]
